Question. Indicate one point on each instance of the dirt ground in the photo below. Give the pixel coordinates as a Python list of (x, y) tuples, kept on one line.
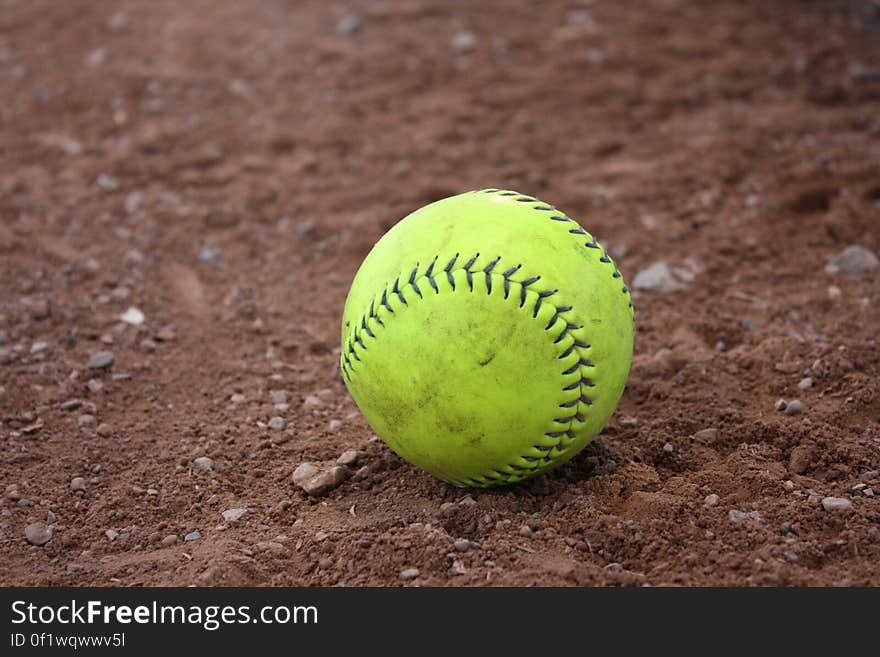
[(224, 166)]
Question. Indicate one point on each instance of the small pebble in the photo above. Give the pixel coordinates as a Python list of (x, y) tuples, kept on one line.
[(111, 535), (668, 448), (104, 429), (101, 360), (276, 423), (335, 425), (736, 516), (132, 316), (169, 540), (464, 41), (462, 544), (526, 532), (836, 504), (806, 383), (349, 25), (780, 405), (871, 474), (85, 420), (711, 500), (38, 533), (71, 404), (409, 573), (192, 536), (348, 458), (788, 484), (278, 396), (237, 398), (204, 463), (795, 407), (853, 260), (231, 515), (78, 483)]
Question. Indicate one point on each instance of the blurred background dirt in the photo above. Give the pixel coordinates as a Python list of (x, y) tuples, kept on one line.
[(223, 167)]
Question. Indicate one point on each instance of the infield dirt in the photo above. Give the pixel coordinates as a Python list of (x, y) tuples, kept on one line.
[(224, 167)]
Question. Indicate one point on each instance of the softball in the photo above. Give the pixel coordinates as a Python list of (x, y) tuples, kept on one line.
[(487, 338)]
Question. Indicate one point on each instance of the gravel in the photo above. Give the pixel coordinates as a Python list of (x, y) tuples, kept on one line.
[(315, 481), (464, 41), (38, 533), (737, 516), (836, 504), (795, 407), (204, 463), (132, 316), (231, 515), (101, 360), (659, 277), (853, 260), (409, 573), (348, 458), (349, 25)]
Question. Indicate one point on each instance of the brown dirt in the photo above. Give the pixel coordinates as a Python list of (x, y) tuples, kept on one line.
[(743, 136)]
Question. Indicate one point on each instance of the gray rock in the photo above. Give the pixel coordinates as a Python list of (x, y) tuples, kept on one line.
[(335, 425), (39, 347), (276, 423), (806, 383), (101, 360), (711, 500), (464, 41), (658, 278), (38, 533), (278, 396), (853, 260), (78, 483), (668, 448), (462, 544), (780, 405), (203, 463), (795, 407), (349, 458), (409, 573), (231, 515), (111, 535), (315, 481), (192, 536), (836, 504), (737, 516), (107, 182), (871, 474), (526, 532), (169, 540), (71, 404), (349, 25), (85, 420), (104, 429)]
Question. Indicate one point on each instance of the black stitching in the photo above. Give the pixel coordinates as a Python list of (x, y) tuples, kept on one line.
[(412, 281), (384, 301), (488, 268), (470, 263), (397, 291), (559, 217)]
